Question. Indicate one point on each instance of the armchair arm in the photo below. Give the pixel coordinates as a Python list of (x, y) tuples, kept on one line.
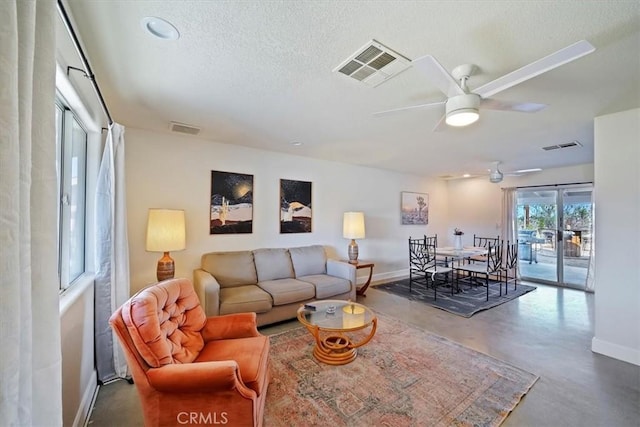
[(208, 290), (198, 377), (344, 270), (229, 326)]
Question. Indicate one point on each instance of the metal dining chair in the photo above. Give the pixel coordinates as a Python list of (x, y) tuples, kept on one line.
[(511, 266), (423, 266), (491, 267)]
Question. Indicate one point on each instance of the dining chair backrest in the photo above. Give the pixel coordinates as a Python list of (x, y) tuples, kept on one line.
[(511, 258), (494, 256), (417, 254), (431, 240), (482, 242)]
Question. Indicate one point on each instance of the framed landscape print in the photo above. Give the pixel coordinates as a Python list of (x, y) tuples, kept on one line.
[(295, 206), (231, 208), (414, 208)]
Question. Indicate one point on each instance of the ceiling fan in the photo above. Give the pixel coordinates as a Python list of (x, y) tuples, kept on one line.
[(462, 104), (496, 175)]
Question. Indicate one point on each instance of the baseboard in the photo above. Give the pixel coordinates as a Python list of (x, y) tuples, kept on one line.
[(88, 397), (626, 354), (390, 275)]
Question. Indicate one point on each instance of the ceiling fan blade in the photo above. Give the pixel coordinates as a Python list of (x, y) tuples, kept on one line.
[(438, 75), (548, 63), (402, 109), (521, 107)]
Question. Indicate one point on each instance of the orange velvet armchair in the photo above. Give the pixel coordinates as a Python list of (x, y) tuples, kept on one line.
[(190, 369)]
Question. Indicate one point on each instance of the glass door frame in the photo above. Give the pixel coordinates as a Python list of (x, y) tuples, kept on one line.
[(559, 190)]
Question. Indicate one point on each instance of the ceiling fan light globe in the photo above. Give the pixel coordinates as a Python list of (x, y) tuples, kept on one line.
[(463, 117), (495, 176), (462, 110)]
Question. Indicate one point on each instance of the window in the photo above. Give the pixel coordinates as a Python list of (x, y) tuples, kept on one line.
[(71, 147)]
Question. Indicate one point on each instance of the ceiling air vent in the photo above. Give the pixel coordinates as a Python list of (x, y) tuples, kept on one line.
[(559, 146), (183, 128), (373, 64)]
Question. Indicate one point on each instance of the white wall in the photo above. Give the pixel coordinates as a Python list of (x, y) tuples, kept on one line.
[(174, 171), (475, 204), (617, 219)]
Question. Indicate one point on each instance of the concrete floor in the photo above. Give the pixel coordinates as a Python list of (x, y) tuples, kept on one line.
[(547, 332)]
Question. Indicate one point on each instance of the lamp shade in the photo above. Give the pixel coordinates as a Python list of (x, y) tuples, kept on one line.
[(165, 230), (353, 225)]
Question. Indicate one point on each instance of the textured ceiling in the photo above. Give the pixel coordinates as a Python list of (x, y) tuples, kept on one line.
[(259, 74)]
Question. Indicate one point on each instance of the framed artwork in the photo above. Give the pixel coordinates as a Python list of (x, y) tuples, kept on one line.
[(414, 208), (295, 206), (231, 208)]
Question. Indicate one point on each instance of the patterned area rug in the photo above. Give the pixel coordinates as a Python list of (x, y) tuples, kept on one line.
[(466, 303), (403, 377)]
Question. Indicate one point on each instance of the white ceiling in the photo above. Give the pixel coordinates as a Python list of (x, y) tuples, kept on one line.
[(259, 74)]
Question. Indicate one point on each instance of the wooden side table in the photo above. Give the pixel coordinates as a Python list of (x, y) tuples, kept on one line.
[(363, 264)]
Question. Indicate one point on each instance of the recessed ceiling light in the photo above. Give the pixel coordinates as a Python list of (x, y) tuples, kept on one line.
[(160, 28), (296, 143), (466, 175)]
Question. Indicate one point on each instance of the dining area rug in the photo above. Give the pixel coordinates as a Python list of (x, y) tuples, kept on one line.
[(403, 377), (470, 300)]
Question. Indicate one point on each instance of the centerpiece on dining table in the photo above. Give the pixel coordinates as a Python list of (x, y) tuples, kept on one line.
[(457, 239)]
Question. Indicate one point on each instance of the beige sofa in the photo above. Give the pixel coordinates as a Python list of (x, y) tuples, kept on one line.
[(272, 282)]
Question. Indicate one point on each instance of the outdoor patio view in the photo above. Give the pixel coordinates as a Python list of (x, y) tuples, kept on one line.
[(554, 234)]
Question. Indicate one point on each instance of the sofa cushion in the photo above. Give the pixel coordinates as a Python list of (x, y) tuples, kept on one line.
[(242, 299), (251, 354), (286, 291), (231, 268), (327, 286), (272, 264), (308, 260), (164, 322)]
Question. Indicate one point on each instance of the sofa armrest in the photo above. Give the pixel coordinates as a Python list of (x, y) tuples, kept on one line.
[(208, 290), (198, 377), (343, 270), (229, 326)]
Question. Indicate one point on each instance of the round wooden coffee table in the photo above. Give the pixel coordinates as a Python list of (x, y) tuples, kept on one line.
[(330, 324)]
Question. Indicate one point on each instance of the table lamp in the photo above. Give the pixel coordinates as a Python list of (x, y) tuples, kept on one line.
[(165, 233), (353, 228)]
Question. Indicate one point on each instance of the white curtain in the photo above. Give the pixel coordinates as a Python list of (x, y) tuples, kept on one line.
[(30, 358), (112, 254), (509, 219)]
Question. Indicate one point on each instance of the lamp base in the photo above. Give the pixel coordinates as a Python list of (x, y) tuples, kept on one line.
[(353, 252), (166, 268)]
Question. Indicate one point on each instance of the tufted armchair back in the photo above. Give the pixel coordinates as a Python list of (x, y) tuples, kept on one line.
[(184, 363), (165, 323)]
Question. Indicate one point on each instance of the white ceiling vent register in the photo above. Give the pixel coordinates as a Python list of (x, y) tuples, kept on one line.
[(373, 64), (183, 128)]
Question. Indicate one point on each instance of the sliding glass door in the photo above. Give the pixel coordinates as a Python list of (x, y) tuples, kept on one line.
[(554, 234)]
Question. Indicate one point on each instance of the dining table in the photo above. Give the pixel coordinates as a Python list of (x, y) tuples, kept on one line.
[(453, 254)]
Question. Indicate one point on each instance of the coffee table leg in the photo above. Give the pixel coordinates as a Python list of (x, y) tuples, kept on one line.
[(338, 349)]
